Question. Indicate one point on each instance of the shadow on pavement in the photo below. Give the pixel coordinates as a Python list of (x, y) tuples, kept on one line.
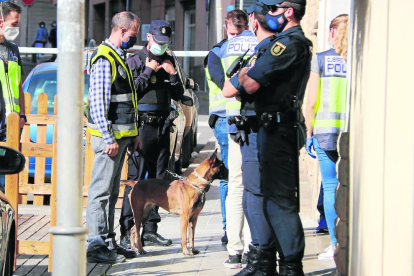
[(325, 272)]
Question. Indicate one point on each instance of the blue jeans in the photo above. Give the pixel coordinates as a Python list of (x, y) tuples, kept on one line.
[(327, 164), (253, 198), (103, 192), (223, 140)]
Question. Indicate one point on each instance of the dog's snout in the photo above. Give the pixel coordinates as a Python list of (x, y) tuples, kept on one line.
[(224, 173)]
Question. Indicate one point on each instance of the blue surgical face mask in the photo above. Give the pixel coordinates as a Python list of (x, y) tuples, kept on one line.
[(158, 49), (277, 23), (129, 43), (42, 26)]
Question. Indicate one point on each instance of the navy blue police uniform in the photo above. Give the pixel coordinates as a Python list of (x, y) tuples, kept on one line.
[(155, 91), (253, 197), (282, 70), (281, 67)]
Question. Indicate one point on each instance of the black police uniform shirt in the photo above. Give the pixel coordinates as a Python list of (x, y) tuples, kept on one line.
[(279, 66), (142, 74)]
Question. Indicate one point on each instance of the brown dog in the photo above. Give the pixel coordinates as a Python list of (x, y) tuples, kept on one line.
[(184, 197)]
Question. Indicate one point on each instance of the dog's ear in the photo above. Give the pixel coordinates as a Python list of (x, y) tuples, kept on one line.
[(213, 157)]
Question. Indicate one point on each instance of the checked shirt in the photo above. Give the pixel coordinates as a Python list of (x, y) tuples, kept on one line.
[(100, 94)]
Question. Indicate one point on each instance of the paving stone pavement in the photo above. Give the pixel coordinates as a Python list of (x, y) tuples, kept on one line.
[(171, 261)]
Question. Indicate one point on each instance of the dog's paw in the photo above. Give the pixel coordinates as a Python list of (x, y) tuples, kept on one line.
[(196, 252)]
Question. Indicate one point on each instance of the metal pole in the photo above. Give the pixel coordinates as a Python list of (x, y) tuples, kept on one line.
[(69, 248), (207, 39), (241, 5), (219, 21)]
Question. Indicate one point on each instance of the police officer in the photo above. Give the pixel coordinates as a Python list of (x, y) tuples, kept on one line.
[(215, 65), (157, 81), (234, 51), (112, 124), (247, 125), (278, 80), (11, 85)]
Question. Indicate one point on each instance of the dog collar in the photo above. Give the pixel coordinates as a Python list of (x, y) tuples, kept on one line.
[(202, 179)]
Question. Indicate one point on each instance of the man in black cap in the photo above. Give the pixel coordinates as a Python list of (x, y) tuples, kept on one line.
[(157, 81), (277, 75)]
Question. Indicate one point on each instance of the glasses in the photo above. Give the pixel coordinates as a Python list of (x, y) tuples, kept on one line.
[(274, 8)]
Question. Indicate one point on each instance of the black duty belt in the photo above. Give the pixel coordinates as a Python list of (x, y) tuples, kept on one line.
[(276, 117), (276, 120), (154, 120)]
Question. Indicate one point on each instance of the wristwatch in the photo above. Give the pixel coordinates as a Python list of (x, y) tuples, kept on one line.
[(24, 117)]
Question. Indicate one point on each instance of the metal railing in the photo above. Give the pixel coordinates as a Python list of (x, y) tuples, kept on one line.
[(34, 50)]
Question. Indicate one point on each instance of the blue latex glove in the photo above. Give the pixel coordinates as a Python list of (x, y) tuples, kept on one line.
[(308, 147)]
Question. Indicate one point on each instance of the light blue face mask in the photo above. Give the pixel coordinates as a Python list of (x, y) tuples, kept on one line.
[(157, 49)]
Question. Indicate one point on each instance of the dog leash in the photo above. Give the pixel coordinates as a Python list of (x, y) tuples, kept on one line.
[(179, 177), (175, 175)]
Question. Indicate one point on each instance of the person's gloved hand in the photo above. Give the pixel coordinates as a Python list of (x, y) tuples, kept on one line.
[(241, 138), (309, 146)]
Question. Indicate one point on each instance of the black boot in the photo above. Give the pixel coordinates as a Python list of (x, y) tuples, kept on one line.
[(292, 269), (252, 262), (282, 269), (155, 238), (267, 263)]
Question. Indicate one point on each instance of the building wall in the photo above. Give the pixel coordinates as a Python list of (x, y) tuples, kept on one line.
[(328, 10), (381, 140), (31, 16)]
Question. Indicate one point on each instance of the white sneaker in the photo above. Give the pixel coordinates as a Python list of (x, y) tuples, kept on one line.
[(327, 254)]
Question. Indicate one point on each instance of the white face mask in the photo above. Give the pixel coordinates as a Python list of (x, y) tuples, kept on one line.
[(251, 28), (229, 36), (10, 33), (158, 49)]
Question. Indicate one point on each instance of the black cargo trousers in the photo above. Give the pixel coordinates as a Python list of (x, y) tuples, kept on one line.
[(156, 151)]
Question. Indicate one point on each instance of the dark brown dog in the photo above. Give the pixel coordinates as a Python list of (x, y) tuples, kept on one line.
[(181, 197)]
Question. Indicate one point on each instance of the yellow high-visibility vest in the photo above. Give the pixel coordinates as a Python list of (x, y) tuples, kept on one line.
[(123, 95), (10, 73)]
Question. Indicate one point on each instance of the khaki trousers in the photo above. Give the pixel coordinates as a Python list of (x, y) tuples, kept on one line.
[(237, 226)]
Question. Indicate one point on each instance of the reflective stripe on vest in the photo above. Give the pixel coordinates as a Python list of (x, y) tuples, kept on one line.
[(331, 112), (10, 82), (216, 101), (121, 98), (119, 130)]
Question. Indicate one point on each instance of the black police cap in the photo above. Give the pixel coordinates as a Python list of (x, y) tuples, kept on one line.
[(257, 6), (278, 2), (161, 31)]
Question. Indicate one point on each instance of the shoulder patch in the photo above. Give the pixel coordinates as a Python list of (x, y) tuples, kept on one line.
[(277, 49), (153, 79), (252, 61)]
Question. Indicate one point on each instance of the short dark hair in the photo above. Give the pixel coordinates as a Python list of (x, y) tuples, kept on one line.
[(8, 7), (238, 17), (299, 10), (261, 18)]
